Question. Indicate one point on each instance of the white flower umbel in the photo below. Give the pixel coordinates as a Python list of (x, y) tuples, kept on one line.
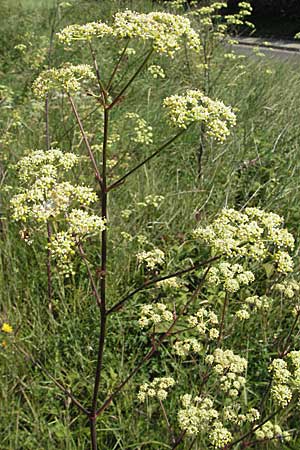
[(253, 233), (165, 32), (154, 314), (194, 106), (158, 388), (151, 259), (69, 78)]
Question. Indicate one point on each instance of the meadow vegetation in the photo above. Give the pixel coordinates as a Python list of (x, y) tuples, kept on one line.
[(187, 171)]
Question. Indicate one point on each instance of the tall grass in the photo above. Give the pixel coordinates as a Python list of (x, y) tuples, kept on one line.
[(258, 166)]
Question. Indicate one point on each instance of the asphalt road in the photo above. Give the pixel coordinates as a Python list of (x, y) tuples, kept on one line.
[(283, 50)]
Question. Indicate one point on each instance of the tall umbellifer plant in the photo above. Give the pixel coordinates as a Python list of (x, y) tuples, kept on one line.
[(228, 274)]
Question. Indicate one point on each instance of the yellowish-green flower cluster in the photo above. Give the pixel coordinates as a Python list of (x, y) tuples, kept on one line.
[(186, 346), (194, 106), (170, 283), (154, 314), (81, 223), (62, 248), (198, 415), (151, 259), (142, 131), (287, 288), (230, 276), (158, 388), (69, 78), (231, 414), (219, 436), (85, 32), (44, 199), (165, 31), (253, 304), (151, 200), (280, 390), (253, 233), (156, 71), (285, 380), (40, 163), (271, 431), (230, 368)]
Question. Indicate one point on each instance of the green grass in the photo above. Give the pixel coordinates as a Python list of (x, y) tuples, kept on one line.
[(258, 165)]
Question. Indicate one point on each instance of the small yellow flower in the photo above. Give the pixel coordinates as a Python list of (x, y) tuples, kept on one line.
[(3, 344), (6, 328)]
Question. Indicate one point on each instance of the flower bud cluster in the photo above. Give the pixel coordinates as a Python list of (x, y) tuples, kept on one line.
[(252, 233), (154, 314), (44, 199), (40, 163), (85, 32), (230, 277), (142, 131), (165, 31), (229, 368), (170, 283), (271, 431), (285, 380), (156, 71), (69, 78), (280, 390), (158, 388), (194, 106), (253, 304), (219, 436), (151, 200), (287, 288), (151, 259), (230, 414), (196, 414)]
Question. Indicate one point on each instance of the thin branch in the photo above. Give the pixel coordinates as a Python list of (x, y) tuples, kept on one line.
[(150, 283), (170, 430), (154, 348), (117, 66), (38, 364), (166, 144), (118, 97), (244, 436), (87, 144), (96, 67)]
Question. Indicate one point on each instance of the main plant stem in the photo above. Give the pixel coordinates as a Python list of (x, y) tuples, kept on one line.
[(103, 313)]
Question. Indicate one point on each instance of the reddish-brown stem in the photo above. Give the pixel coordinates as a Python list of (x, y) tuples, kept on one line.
[(123, 178), (96, 67), (103, 314), (140, 68), (253, 429), (116, 67), (150, 283), (86, 141)]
